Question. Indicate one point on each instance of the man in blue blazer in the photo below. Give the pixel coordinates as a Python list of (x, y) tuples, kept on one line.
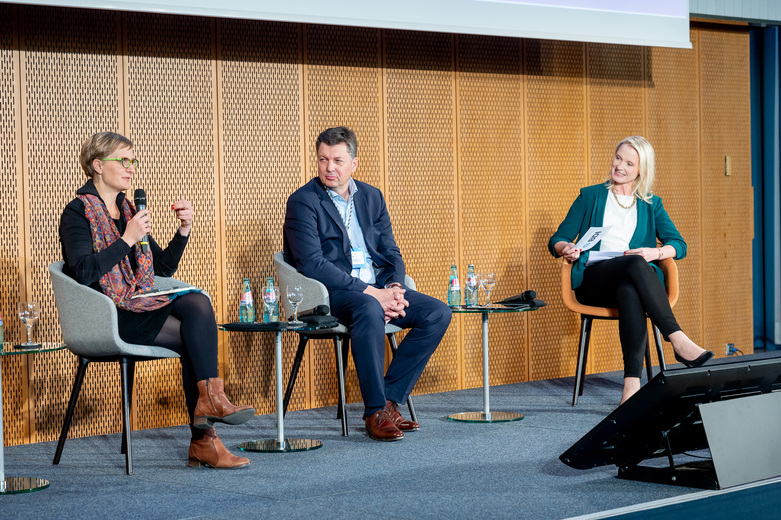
[(337, 231)]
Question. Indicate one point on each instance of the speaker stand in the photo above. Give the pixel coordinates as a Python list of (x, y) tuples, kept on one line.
[(697, 474)]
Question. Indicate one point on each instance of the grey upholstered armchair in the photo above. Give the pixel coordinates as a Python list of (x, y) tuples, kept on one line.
[(88, 320), (316, 294)]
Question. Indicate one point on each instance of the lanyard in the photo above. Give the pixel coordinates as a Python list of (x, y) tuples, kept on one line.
[(346, 218), (350, 212)]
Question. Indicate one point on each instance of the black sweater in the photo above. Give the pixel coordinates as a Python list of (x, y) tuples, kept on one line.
[(87, 266)]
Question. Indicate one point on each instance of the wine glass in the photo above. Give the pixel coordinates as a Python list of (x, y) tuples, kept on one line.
[(295, 295), (488, 281), (28, 313)]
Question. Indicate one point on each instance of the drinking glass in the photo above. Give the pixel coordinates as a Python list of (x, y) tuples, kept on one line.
[(295, 295), (472, 295), (28, 313), (270, 298), (488, 281)]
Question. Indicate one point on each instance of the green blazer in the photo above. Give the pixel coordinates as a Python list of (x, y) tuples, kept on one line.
[(588, 210)]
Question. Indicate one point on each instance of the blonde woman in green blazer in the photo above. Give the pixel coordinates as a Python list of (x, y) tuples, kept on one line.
[(641, 233)]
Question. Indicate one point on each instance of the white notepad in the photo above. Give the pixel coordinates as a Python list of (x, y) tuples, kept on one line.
[(598, 256)]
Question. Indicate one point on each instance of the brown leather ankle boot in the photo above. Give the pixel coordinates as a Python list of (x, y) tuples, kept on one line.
[(213, 406), (210, 451)]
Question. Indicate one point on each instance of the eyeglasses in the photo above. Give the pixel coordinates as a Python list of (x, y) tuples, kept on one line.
[(125, 162)]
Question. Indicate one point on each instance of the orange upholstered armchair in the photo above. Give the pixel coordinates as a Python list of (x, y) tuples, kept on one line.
[(588, 314)]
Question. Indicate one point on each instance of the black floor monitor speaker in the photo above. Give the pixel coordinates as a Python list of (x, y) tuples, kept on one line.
[(731, 407)]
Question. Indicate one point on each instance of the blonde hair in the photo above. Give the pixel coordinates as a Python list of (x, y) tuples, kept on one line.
[(643, 184), (99, 146)]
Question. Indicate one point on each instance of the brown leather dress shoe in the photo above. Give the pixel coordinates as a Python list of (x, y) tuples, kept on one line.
[(210, 451), (401, 423), (380, 427)]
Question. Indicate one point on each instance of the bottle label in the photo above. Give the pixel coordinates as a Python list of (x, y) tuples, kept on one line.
[(471, 280), (246, 298), (454, 284)]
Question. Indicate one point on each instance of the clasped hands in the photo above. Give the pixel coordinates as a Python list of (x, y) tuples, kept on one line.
[(391, 299)]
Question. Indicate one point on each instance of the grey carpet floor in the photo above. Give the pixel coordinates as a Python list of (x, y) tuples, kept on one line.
[(446, 470)]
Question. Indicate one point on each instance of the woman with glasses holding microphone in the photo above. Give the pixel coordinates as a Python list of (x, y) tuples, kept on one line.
[(100, 232)]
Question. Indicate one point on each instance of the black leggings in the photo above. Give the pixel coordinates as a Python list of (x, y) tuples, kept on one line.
[(191, 331), (629, 284)]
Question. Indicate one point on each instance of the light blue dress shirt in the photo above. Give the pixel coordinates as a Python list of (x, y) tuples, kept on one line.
[(354, 232)]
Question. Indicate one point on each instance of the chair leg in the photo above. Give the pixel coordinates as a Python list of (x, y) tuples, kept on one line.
[(659, 348), (66, 424), (580, 373), (126, 414), (291, 382), (394, 347), (345, 341), (131, 374), (648, 363), (342, 406), (345, 353)]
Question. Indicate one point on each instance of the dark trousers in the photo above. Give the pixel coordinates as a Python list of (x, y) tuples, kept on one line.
[(426, 317), (629, 284), (191, 331)]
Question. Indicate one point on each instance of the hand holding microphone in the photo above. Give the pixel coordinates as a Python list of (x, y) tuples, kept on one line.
[(138, 228), (139, 198)]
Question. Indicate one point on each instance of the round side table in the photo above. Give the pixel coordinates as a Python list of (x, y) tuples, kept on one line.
[(280, 444), (486, 416), (10, 485)]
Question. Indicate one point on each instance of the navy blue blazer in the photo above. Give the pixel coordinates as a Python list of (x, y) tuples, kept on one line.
[(317, 245)]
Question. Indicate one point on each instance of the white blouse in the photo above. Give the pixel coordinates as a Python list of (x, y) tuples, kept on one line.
[(624, 222)]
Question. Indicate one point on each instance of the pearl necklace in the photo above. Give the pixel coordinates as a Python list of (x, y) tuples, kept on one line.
[(634, 199)]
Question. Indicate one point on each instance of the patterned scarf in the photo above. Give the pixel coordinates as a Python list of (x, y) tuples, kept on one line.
[(120, 283)]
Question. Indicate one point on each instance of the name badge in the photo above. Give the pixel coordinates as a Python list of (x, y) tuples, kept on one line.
[(358, 258)]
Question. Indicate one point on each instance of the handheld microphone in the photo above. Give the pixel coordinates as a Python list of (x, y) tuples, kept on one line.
[(318, 310), (139, 198), (523, 299), (527, 296)]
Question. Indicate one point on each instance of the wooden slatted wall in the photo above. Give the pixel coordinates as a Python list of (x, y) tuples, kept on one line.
[(479, 144)]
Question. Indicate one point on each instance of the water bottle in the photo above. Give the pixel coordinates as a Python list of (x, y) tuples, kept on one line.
[(270, 301), (247, 304), (470, 289), (454, 288)]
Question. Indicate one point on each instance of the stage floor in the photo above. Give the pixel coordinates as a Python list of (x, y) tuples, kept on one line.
[(446, 470)]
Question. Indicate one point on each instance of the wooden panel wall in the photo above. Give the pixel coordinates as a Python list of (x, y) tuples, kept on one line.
[(421, 172), (726, 239), (260, 115), (14, 369), (479, 143), (556, 151), (70, 83), (492, 178), (673, 120)]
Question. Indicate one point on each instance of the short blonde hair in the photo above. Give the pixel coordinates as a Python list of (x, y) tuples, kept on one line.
[(99, 146), (643, 184)]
